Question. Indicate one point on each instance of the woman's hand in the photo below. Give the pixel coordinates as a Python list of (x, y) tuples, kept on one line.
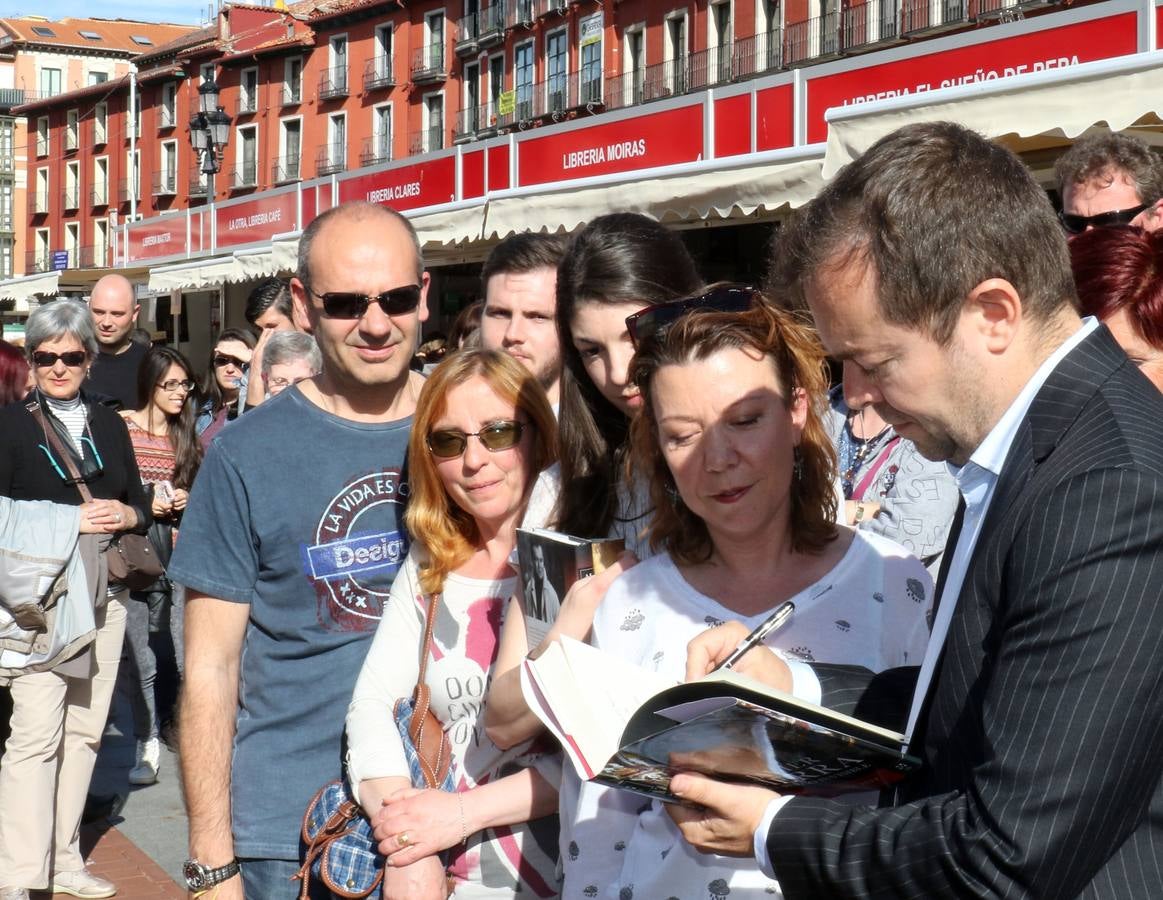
[(181, 498), (576, 617), (413, 824), (110, 516), (88, 526), (423, 880), (160, 506), (714, 645)]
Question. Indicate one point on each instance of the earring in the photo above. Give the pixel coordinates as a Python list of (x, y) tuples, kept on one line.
[(797, 469), (673, 496)]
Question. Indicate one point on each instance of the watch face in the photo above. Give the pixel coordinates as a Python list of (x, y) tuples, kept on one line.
[(195, 875)]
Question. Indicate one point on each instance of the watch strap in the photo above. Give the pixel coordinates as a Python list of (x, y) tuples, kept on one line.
[(205, 877)]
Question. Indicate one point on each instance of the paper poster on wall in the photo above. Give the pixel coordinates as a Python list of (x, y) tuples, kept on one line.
[(590, 30), (506, 102)]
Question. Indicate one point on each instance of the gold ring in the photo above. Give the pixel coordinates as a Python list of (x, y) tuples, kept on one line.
[(402, 839)]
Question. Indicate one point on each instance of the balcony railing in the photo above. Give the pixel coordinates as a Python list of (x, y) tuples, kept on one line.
[(123, 191), (99, 195), (550, 7), (94, 257), (37, 261), (247, 103), (379, 72), (10, 97), (491, 23), (427, 140), (72, 198), (467, 33), (100, 130), (71, 139), (519, 13), (472, 120), (40, 202), (292, 94), (333, 83), (811, 39), (42, 146), (165, 183), (331, 158), (244, 176), (428, 63), (167, 117), (199, 184), (376, 149), (286, 168)]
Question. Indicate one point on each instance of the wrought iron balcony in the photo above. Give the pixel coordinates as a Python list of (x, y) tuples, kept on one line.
[(199, 185), (165, 183), (376, 149), (467, 35), (491, 23), (99, 195), (244, 176), (286, 168), (333, 83), (123, 189), (292, 94), (428, 64), (427, 140), (331, 158), (39, 203), (247, 103), (379, 72)]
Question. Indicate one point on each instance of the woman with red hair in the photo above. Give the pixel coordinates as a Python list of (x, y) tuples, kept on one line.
[(14, 384), (1119, 275)]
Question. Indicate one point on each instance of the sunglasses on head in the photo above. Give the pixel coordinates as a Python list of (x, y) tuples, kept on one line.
[(350, 305), (71, 358), (1078, 224), (221, 360), (654, 320), (495, 436)]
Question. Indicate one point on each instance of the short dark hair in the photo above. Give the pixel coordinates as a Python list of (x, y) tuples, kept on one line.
[(520, 253), (1122, 269), (356, 209), (269, 292), (1103, 156), (933, 209)]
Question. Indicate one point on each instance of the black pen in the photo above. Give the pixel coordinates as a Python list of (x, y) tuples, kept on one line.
[(767, 626)]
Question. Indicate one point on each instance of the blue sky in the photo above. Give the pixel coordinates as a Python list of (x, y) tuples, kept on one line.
[(186, 12)]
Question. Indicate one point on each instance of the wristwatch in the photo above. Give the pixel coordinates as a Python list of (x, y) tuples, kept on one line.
[(199, 877)]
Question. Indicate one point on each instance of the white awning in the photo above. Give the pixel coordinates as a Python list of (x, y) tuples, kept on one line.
[(1064, 102), (194, 274), (254, 264), (23, 289), (450, 226), (722, 189)]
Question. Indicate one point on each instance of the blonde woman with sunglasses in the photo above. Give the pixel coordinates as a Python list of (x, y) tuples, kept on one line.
[(482, 432)]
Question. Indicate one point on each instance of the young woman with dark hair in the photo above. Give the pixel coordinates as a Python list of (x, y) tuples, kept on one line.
[(224, 382), (168, 454)]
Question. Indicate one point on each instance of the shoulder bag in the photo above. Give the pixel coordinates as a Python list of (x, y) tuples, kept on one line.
[(131, 558), (341, 849)]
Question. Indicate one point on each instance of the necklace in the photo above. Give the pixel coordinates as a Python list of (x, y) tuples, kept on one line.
[(862, 449)]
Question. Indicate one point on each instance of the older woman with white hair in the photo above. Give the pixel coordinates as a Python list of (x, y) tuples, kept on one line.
[(57, 445), (288, 358)]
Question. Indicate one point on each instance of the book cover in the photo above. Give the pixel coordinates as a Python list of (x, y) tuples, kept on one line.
[(631, 729)]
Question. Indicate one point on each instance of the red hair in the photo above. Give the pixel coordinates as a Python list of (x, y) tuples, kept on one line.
[(1121, 269), (13, 374)]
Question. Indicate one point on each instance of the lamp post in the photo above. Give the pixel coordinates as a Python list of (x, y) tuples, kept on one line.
[(209, 130)]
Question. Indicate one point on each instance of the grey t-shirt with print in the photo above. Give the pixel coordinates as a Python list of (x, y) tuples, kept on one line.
[(298, 513)]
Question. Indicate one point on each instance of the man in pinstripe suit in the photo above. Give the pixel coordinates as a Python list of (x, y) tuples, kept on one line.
[(936, 272)]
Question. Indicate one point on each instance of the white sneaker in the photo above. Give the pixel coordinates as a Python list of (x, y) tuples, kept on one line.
[(13, 894), (82, 883), (149, 761)]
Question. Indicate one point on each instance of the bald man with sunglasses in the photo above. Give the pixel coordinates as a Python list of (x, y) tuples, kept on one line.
[(300, 507)]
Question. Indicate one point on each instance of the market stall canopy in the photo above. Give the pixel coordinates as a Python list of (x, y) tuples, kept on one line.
[(21, 290), (722, 188), (195, 274), (1018, 109)]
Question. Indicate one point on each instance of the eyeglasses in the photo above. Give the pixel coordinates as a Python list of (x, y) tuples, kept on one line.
[(221, 360), (653, 320), (71, 358), (278, 381), (348, 305), (173, 384), (1078, 224), (495, 436)]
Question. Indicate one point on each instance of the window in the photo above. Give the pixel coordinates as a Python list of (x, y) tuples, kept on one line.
[(98, 78), (496, 85), (141, 40), (769, 50), (7, 145), (523, 79), (472, 98), (339, 62), (292, 145), (100, 122), (433, 122), (50, 82), (132, 188), (556, 60), (100, 181), (383, 52), (90, 35), (382, 133), (248, 91), (634, 64), (246, 155), (676, 49), (136, 122), (40, 201), (720, 21), (337, 135), (293, 80), (6, 247), (6, 191), (71, 140), (73, 185), (100, 243), (43, 250), (434, 42), (168, 174), (168, 114), (43, 31), (590, 40), (73, 243), (42, 136)]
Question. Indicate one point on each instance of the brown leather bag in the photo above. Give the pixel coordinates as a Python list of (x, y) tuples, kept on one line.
[(433, 749)]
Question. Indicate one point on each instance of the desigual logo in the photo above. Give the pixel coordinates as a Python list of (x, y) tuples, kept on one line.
[(359, 546)]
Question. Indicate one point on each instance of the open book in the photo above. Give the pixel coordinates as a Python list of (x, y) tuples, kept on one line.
[(551, 562), (633, 729)]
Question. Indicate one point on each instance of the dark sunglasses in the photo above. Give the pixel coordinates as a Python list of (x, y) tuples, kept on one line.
[(653, 320), (495, 436), (71, 358), (173, 384), (223, 359), (1078, 224), (349, 305)]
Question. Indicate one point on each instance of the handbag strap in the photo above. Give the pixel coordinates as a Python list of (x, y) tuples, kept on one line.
[(870, 472), (426, 642), (67, 458)]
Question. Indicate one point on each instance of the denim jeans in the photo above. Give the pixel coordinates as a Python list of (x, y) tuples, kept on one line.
[(270, 879)]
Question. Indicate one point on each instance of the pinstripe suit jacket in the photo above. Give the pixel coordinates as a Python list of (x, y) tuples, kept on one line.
[(1043, 747)]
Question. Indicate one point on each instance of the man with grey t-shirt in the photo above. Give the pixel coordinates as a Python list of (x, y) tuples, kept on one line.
[(288, 549)]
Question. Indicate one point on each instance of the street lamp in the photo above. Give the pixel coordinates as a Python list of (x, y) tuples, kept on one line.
[(209, 128)]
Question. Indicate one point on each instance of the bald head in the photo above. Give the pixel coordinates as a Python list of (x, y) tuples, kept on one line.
[(355, 212), (114, 312)]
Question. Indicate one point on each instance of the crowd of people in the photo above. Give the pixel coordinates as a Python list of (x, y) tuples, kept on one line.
[(966, 523)]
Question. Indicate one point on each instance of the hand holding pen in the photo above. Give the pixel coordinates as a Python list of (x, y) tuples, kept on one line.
[(726, 645)]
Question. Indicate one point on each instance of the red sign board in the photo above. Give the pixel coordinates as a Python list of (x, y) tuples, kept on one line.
[(775, 118), (664, 138), (1051, 48), (499, 167), (256, 220), (472, 174), (733, 125), (157, 238), (405, 187)]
